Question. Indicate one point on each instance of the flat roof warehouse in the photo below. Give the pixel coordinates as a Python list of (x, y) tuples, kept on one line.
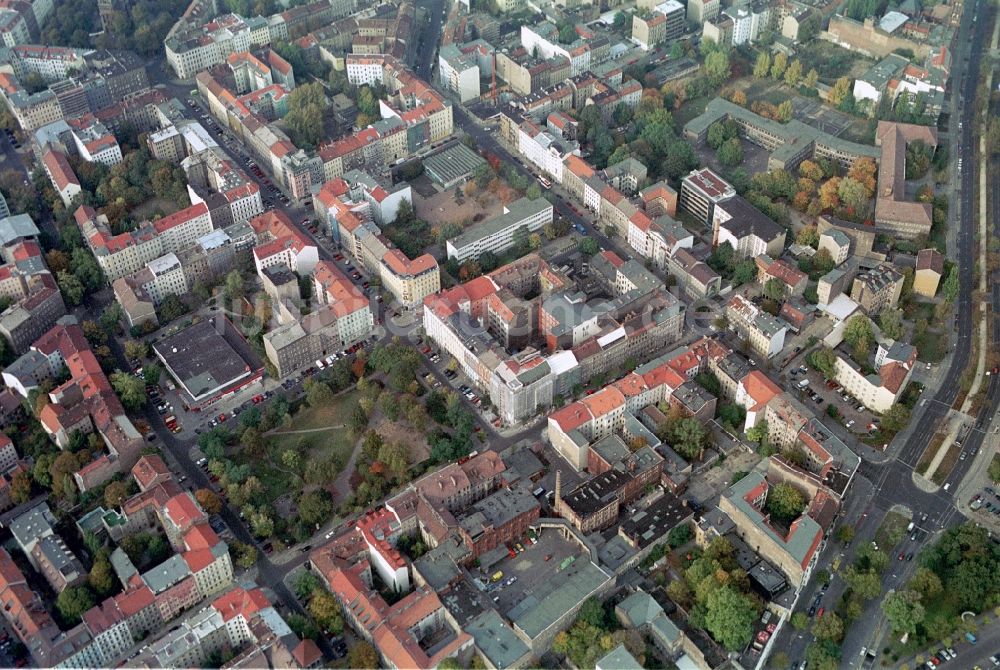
[(208, 357)]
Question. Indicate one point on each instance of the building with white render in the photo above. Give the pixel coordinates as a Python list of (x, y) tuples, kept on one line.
[(498, 234)]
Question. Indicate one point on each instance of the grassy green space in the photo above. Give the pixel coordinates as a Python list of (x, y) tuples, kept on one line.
[(333, 445), (892, 531), (830, 60), (931, 346)]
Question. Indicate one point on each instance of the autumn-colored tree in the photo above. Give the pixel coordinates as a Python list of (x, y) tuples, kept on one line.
[(738, 98), (20, 487), (209, 500), (863, 171), (829, 197), (807, 185), (115, 494), (57, 260), (810, 170), (801, 201), (925, 193), (358, 367), (812, 78), (808, 235)]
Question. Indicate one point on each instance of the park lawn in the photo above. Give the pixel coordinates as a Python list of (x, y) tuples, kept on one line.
[(334, 414), (335, 443), (891, 531), (930, 346), (690, 109)]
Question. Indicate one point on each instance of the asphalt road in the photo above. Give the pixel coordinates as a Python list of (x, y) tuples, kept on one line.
[(890, 481)]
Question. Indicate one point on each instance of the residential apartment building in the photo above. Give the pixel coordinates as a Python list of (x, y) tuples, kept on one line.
[(883, 389), (344, 316), (877, 289), (61, 175), (929, 271), (745, 228), (519, 219), (794, 550), (665, 24), (765, 334), (700, 11), (701, 190), (126, 253)]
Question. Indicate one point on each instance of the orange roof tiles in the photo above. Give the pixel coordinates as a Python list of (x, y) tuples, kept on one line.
[(181, 217), (59, 169), (240, 602)]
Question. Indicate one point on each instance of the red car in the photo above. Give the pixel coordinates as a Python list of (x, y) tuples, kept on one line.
[(221, 418)]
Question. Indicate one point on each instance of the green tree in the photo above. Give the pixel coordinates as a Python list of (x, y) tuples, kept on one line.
[(324, 609), (71, 287), (717, 68), (903, 610), (762, 65), (689, 437), (858, 334), (130, 389), (785, 502), (774, 289), (245, 555), (730, 617), (304, 119), (853, 194), (744, 272), (864, 583), (450, 663), (845, 534), (102, 577), (136, 349), (896, 417), (824, 360), (234, 286), (731, 152), (319, 394), (316, 506), (829, 627), (785, 111), (925, 582), (891, 323), (622, 22), (588, 246), (758, 434), (800, 621), (812, 78), (362, 656), (779, 65), (72, 602), (949, 289), (794, 73)]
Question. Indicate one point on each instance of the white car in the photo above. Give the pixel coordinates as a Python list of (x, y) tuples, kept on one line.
[(850, 423)]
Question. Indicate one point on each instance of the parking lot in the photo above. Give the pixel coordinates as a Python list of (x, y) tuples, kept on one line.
[(529, 569), (821, 394)]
